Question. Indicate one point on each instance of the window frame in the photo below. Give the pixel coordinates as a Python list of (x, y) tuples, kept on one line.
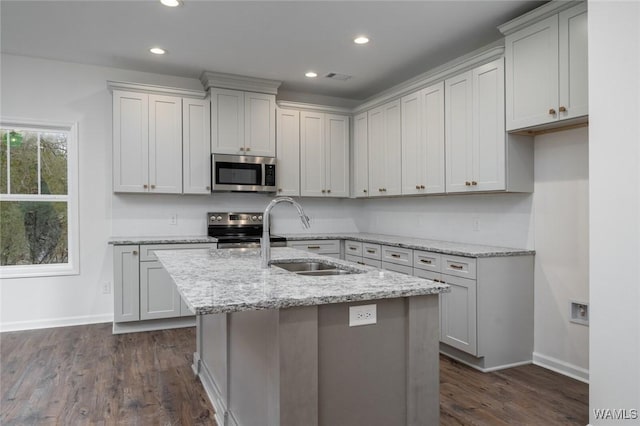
[(72, 267)]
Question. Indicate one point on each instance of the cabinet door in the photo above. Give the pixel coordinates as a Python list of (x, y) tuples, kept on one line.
[(227, 121), (130, 141), (126, 283), (432, 113), (459, 132), (376, 152), (312, 154), (159, 297), (458, 314), (532, 74), (288, 149), (392, 149), (336, 155), (165, 144), (574, 79), (196, 144), (360, 156), (488, 171), (260, 124), (413, 157)]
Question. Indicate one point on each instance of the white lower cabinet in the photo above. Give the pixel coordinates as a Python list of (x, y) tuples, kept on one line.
[(143, 290), (329, 248), (458, 315)]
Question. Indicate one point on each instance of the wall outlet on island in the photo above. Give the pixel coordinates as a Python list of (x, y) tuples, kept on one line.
[(362, 315), (173, 220)]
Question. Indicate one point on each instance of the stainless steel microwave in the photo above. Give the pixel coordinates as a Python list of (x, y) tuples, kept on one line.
[(243, 173)]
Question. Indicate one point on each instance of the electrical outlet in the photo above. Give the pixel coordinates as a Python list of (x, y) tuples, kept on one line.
[(173, 220), (362, 315), (106, 287), (579, 312)]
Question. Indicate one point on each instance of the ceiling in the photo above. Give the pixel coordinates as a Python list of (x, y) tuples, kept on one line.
[(278, 40)]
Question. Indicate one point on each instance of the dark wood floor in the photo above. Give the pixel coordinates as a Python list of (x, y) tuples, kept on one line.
[(85, 375)]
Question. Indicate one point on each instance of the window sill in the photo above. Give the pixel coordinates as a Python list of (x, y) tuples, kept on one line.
[(32, 271)]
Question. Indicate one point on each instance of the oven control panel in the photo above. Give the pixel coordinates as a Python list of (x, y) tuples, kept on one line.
[(251, 218)]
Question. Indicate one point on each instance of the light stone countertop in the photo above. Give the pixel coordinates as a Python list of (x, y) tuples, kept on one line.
[(118, 241), (231, 280), (444, 247)]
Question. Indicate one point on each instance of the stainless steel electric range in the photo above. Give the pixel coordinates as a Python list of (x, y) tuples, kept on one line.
[(239, 230)]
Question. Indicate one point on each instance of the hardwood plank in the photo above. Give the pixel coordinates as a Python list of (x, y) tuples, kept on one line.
[(85, 375)]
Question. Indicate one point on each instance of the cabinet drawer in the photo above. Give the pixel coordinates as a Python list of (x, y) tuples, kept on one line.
[(353, 248), (147, 251), (355, 259), (317, 246), (407, 270), (427, 260), (372, 262), (397, 255), (459, 266), (371, 251), (429, 275)]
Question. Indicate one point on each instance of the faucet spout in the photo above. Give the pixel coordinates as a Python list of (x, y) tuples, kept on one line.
[(265, 243)]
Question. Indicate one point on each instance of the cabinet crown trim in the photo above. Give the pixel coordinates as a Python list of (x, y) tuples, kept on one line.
[(313, 107), (440, 73), (155, 90), (239, 82), (536, 15)]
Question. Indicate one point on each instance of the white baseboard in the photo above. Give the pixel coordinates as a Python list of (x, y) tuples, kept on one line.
[(55, 322), (561, 367)]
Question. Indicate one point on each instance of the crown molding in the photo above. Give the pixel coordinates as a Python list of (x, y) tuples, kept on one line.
[(155, 90), (239, 82), (536, 15), (314, 107), (442, 72)]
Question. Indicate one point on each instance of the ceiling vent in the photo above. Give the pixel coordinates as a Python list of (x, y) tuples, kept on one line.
[(337, 76)]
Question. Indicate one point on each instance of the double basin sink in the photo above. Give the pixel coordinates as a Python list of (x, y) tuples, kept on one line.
[(314, 269)]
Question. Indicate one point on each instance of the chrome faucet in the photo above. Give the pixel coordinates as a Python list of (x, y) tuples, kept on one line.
[(265, 242)]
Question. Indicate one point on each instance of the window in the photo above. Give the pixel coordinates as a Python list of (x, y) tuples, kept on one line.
[(38, 199)]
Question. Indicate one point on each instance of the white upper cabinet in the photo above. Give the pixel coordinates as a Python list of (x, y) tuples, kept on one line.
[(196, 146), (147, 141), (546, 70), (385, 159), (475, 136), (324, 155), (288, 149), (242, 123), (423, 141), (360, 156)]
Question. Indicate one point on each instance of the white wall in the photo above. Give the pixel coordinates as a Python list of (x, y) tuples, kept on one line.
[(614, 207), (503, 219), (561, 218), (57, 91)]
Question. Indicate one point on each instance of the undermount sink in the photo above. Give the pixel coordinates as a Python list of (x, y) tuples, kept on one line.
[(314, 268)]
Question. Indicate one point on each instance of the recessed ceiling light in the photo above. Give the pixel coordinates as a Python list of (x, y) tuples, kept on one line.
[(171, 3), (310, 74), (361, 40), (157, 51)]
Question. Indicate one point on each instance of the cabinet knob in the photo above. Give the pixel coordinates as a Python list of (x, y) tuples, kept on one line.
[(208, 188), (552, 111), (562, 109), (467, 183), (474, 183), (247, 149), (241, 148), (135, 252), (323, 191), (328, 191), (364, 190), (153, 187), (379, 189), (145, 186), (417, 186), (279, 189), (421, 186)]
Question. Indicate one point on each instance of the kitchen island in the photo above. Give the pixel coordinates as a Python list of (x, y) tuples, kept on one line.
[(276, 348)]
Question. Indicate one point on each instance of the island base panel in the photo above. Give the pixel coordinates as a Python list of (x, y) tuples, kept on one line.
[(305, 365)]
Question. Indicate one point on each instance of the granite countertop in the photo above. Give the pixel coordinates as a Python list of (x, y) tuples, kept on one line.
[(118, 241), (231, 280), (444, 247)]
